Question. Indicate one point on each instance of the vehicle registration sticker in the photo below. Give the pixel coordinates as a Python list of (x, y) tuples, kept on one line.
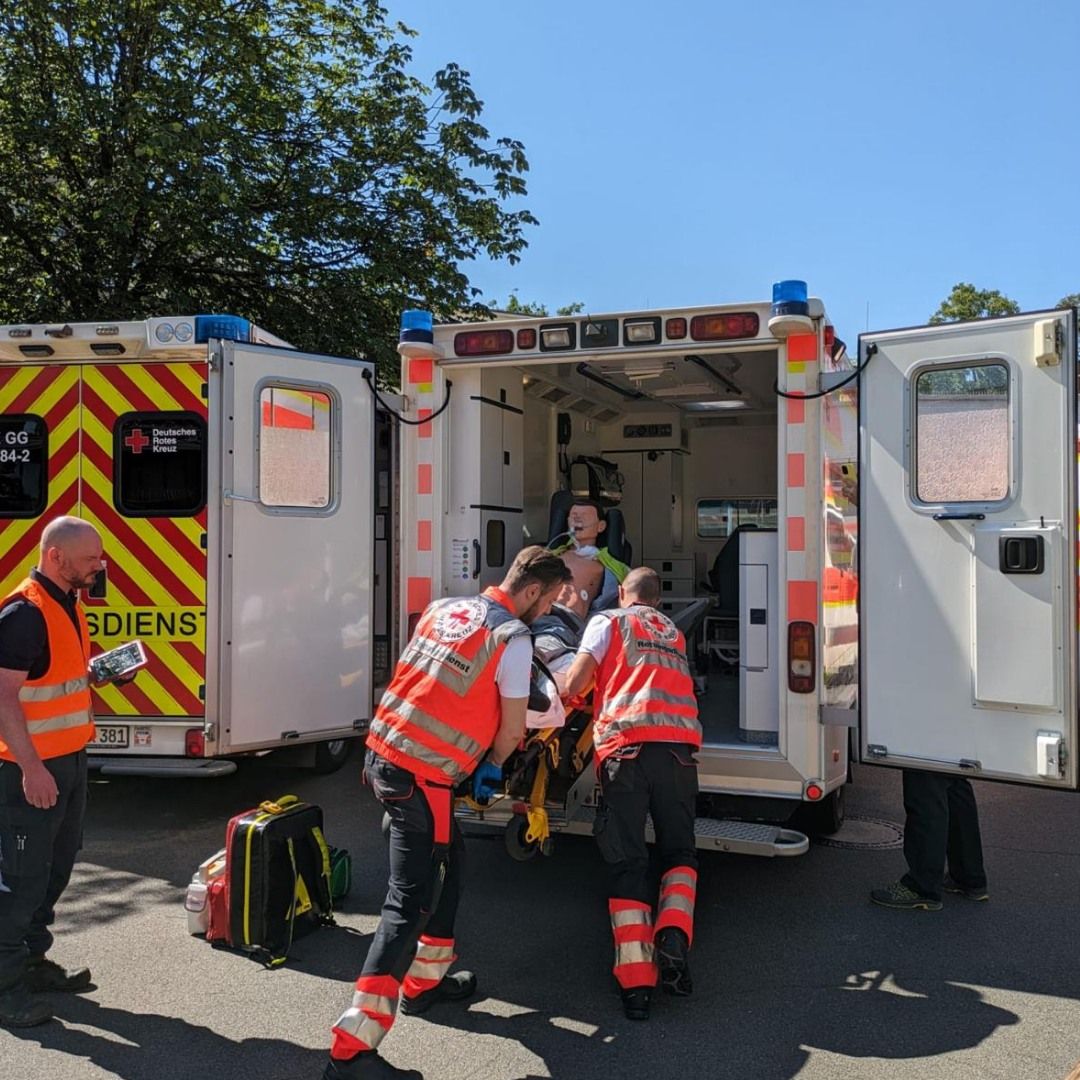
[(110, 737)]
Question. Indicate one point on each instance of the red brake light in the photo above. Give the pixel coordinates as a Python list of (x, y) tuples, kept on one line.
[(526, 339), (483, 342), (814, 791), (830, 337), (802, 649), (414, 618), (675, 329), (194, 742), (721, 326)]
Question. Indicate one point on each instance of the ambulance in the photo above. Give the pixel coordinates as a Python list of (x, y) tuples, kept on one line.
[(238, 486), (873, 556)]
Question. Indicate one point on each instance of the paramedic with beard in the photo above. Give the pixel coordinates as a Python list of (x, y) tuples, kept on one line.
[(460, 691), (45, 724), (645, 731)]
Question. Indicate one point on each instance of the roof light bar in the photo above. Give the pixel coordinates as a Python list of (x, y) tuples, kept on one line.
[(725, 326)]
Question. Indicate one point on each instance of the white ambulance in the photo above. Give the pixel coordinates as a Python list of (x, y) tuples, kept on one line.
[(876, 556)]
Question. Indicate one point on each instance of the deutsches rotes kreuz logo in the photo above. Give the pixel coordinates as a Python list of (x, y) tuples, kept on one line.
[(458, 620), (659, 626)]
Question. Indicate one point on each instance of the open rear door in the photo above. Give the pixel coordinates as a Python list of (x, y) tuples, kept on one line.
[(968, 548), (297, 539)]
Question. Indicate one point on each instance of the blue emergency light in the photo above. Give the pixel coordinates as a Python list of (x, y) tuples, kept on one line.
[(417, 325), (222, 327), (789, 298)]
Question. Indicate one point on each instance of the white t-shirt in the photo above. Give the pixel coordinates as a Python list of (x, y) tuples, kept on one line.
[(596, 638), (515, 668)]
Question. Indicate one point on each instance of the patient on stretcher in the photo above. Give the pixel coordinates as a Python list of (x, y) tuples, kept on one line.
[(556, 637)]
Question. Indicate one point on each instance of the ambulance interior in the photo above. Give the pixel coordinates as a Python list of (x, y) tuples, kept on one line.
[(682, 451)]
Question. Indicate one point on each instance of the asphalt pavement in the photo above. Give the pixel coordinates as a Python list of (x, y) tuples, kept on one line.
[(796, 973)]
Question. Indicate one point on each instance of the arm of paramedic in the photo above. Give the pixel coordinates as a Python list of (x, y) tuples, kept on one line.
[(594, 644), (512, 678), (39, 787)]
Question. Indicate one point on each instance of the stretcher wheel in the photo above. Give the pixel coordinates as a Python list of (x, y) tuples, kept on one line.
[(514, 838)]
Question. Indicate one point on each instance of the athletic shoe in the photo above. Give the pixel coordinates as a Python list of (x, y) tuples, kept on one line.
[(899, 896), (979, 894)]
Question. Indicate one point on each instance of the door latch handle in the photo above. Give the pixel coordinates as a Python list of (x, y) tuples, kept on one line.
[(959, 517), (232, 496)]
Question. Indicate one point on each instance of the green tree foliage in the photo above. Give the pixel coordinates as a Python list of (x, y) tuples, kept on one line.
[(1072, 300), (271, 158), (515, 307), (966, 302)]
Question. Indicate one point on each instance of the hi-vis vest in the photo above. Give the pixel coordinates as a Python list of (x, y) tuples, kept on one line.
[(643, 686), (441, 711), (56, 706)]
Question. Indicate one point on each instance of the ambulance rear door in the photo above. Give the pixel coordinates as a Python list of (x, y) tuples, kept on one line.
[(297, 542), (967, 548)]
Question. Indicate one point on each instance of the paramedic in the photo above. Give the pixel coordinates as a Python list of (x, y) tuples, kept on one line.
[(645, 731), (459, 692), (597, 573), (45, 724), (942, 825)]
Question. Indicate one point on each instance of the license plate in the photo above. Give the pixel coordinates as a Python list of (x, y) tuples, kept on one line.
[(110, 737)]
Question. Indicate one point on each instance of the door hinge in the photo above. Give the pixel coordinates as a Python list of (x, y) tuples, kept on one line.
[(877, 750), (1050, 754), (1048, 343)]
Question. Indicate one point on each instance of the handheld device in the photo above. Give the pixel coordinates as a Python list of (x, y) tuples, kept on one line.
[(118, 662)]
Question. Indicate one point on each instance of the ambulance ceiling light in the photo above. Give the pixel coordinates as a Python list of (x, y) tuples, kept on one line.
[(638, 370), (687, 390), (715, 406)]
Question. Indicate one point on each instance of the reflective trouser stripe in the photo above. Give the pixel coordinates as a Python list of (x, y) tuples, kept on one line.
[(678, 891), (433, 958), (364, 1023), (631, 926)]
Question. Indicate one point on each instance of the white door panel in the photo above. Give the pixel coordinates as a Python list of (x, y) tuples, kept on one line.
[(297, 579), (968, 547)]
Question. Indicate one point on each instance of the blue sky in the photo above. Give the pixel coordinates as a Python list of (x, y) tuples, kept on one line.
[(691, 152)]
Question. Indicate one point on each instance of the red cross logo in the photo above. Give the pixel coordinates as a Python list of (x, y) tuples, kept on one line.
[(137, 441), (461, 617)]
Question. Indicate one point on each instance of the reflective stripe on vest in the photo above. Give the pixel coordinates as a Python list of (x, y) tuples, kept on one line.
[(432, 961), (364, 1024), (56, 706), (631, 927), (678, 893), (644, 685), (441, 711)]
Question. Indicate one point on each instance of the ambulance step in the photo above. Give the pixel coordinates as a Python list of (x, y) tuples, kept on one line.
[(746, 838), (200, 768)]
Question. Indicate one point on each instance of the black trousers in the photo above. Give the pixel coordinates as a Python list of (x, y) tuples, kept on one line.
[(650, 778), (37, 853), (942, 825), (425, 878)]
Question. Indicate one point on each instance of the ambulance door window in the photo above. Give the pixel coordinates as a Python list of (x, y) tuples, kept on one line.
[(962, 434), (159, 464), (24, 456), (294, 447)]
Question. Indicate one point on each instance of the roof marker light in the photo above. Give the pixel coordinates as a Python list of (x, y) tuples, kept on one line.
[(555, 338), (36, 350), (483, 342), (675, 329), (526, 339), (725, 326), (641, 331)]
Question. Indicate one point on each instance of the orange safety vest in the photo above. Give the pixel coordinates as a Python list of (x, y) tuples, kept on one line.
[(440, 713), (56, 706), (644, 692)]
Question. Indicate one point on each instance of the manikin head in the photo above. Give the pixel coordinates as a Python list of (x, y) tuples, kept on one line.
[(585, 523)]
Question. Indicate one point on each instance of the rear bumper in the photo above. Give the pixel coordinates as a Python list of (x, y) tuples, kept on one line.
[(202, 768)]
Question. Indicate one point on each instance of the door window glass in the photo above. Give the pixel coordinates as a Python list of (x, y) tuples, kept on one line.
[(496, 542), (719, 518), (24, 472), (962, 434), (159, 464), (294, 447)]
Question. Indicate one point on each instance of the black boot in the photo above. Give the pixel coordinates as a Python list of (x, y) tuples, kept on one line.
[(456, 987), (672, 951), (18, 1009), (367, 1066), (635, 1002), (43, 974)]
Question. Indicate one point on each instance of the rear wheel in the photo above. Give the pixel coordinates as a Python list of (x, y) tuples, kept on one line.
[(331, 755), (823, 818)]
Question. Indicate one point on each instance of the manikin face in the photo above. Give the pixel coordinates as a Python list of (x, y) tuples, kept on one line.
[(585, 524)]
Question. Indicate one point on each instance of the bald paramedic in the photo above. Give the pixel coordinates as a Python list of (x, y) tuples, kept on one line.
[(454, 711), (45, 724), (645, 731)]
